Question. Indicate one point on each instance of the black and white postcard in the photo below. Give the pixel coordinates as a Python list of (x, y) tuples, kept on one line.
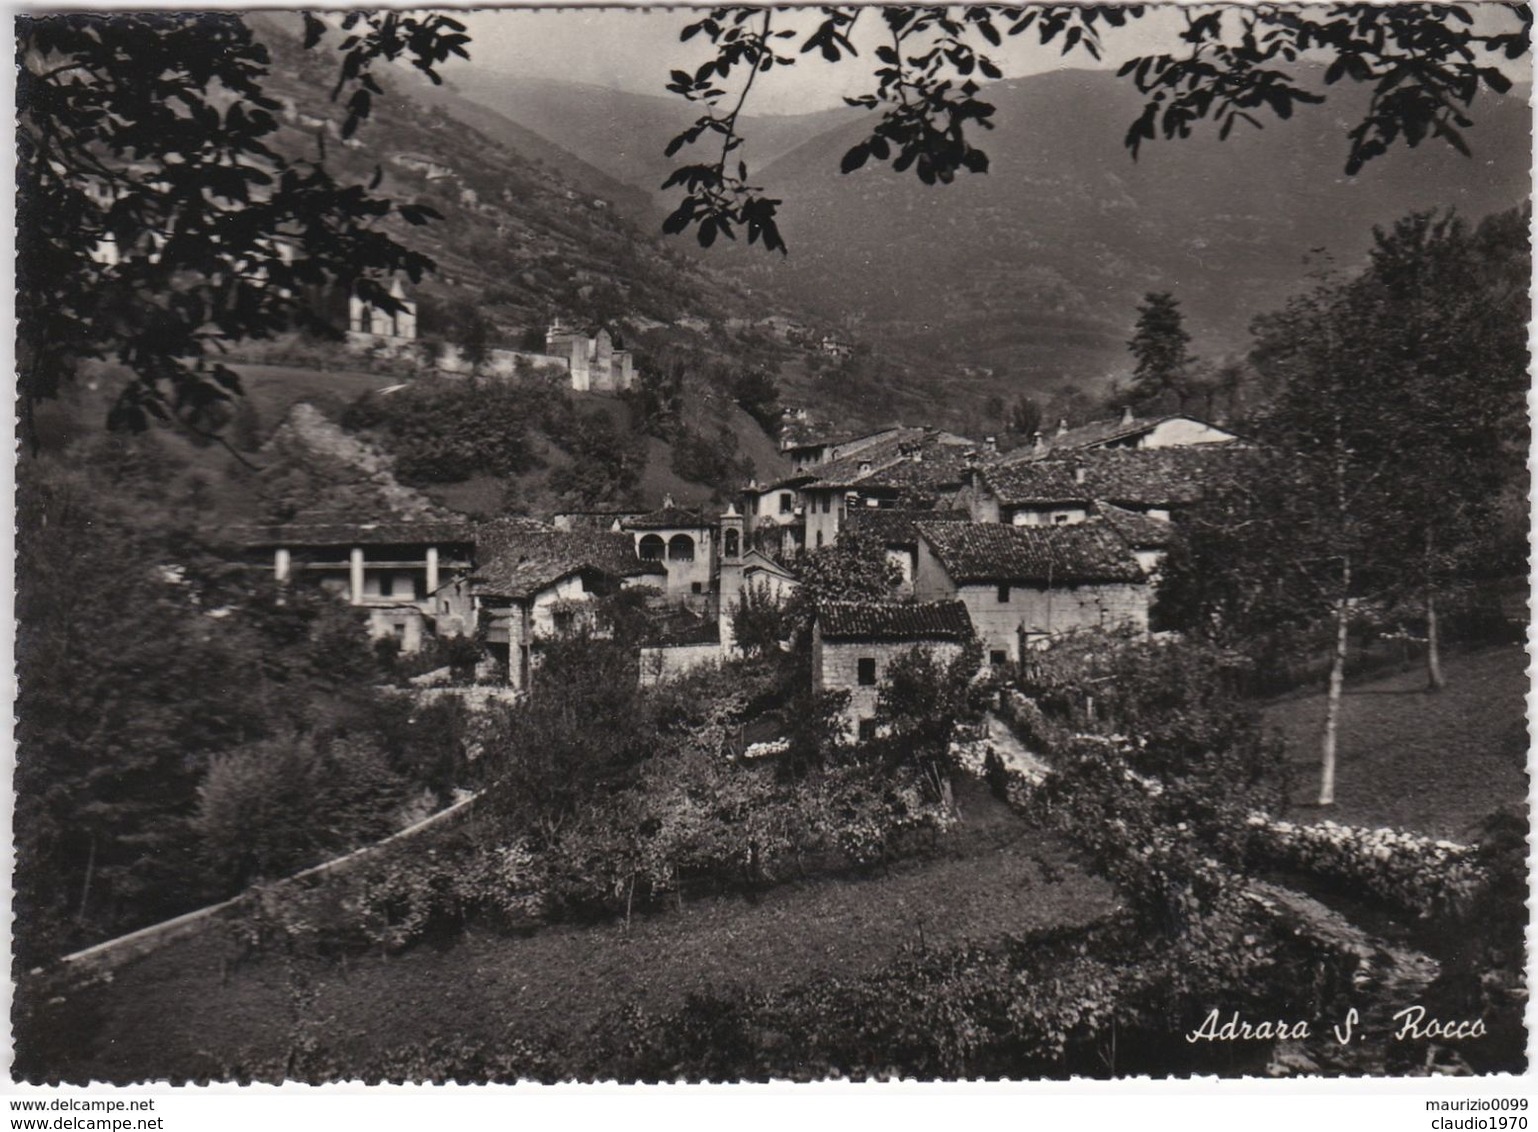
[(772, 544)]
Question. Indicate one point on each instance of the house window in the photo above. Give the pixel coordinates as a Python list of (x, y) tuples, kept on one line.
[(819, 538), (386, 585), (753, 505), (1059, 519), (785, 503), (867, 730), (651, 548), (866, 667), (997, 657), (681, 548), (1004, 594), (827, 503), (564, 619), (696, 588)]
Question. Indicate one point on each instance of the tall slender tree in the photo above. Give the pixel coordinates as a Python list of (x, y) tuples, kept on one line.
[(1397, 424), (1159, 343)]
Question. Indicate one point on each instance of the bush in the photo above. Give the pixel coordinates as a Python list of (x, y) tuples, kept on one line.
[(710, 461), (446, 431), (1428, 877), (761, 621), (277, 805)]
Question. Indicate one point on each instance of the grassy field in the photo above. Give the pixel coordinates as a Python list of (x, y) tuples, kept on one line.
[(171, 1014), (1432, 762)]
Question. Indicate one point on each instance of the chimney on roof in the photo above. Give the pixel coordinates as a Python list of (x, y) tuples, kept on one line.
[(1038, 445), (1062, 425), (667, 500), (991, 445), (1126, 414), (1078, 473)]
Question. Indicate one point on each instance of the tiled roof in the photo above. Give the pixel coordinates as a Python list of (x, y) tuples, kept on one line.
[(845, 471), (990, 552), (890, 463), (603, 520), (322, 530), (835, 439), (894, 621), (522, 523), (667, 517), (1162, 477), (1042, 483), (794, 479), (514, 561), (894, 527), (1140, 477), (1139, 531), (1095, 434), (942, 466)]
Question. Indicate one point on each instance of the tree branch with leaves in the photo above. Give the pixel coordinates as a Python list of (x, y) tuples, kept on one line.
[(1425, 65), (157, 220)]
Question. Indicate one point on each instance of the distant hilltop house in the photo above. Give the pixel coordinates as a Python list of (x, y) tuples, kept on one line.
[(372, 326), (592, 361), (429, 167), (835, 347)]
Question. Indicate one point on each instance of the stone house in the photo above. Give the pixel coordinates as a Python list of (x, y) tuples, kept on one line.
[(389, 567), (912, 469), (368, 325), (812, 451), (773, 514), (531, 583), (1022, 584), (682, 541), (1158, 482), (853, 644), (1147, 536), (1042, 493), (898, 535), (593, 362)]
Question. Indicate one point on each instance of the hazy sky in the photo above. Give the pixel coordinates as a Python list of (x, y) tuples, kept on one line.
[(635, 49)]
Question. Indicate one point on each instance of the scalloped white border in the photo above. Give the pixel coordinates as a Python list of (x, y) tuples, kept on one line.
[(1250, 1103)]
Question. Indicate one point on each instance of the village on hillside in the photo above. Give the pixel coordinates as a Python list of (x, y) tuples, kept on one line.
[(467, 632), (1060, 536)]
